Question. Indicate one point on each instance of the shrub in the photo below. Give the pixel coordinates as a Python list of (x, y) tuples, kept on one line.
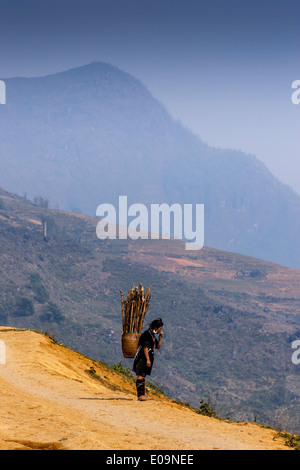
[(41, 202), (24, 307), (291, 440), (207, 409), (52, 313), (41, 294), (121, 369)]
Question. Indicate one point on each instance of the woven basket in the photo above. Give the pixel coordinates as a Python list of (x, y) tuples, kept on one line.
[(130, 343)]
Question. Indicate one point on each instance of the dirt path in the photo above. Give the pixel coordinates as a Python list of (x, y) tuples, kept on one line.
[(48, 400)]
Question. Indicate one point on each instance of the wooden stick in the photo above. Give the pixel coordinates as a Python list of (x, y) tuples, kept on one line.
[(134, 308)]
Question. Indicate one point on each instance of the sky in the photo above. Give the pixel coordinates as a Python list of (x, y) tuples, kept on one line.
[(224, 68)]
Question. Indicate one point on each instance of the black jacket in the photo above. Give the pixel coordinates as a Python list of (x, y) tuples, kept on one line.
[(147, 339)]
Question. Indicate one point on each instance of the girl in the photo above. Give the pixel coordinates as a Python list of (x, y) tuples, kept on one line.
[(143, 360)]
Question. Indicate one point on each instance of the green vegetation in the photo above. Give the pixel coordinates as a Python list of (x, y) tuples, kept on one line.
[(23, 308), (207, 409), (52, 313), (121, 369), (93, 373), (41, 294), (211, 408), (291, 440)]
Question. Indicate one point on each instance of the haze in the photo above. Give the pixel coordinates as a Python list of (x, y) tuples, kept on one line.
[(224, 68)]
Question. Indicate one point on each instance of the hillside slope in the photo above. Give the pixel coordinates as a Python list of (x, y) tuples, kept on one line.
[(50, 401), (236, 315), (88, 135)]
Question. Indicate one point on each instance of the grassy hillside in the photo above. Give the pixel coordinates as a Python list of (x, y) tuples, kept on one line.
[(229, 319)]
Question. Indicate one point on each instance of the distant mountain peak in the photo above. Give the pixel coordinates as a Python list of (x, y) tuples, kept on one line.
[(87, 135)]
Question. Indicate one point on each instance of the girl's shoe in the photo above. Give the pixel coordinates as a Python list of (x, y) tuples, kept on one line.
[(143, 398)]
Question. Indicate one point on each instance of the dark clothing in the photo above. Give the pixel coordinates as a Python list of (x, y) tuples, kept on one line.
[(148, 340), (140, 387)]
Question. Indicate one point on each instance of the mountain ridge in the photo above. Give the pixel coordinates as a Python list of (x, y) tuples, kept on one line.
[(83, 137)]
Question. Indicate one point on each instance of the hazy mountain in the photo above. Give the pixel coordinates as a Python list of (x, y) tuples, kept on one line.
[(83, 137)]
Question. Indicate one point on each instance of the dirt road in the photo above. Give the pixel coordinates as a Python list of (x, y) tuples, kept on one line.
[(50, 401)]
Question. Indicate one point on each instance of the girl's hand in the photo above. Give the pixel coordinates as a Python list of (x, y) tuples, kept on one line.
[(148, 363)]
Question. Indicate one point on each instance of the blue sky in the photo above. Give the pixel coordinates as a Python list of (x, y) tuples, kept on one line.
[(223, 67)]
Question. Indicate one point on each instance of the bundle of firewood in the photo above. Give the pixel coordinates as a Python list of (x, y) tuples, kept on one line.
[(134, 308)]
